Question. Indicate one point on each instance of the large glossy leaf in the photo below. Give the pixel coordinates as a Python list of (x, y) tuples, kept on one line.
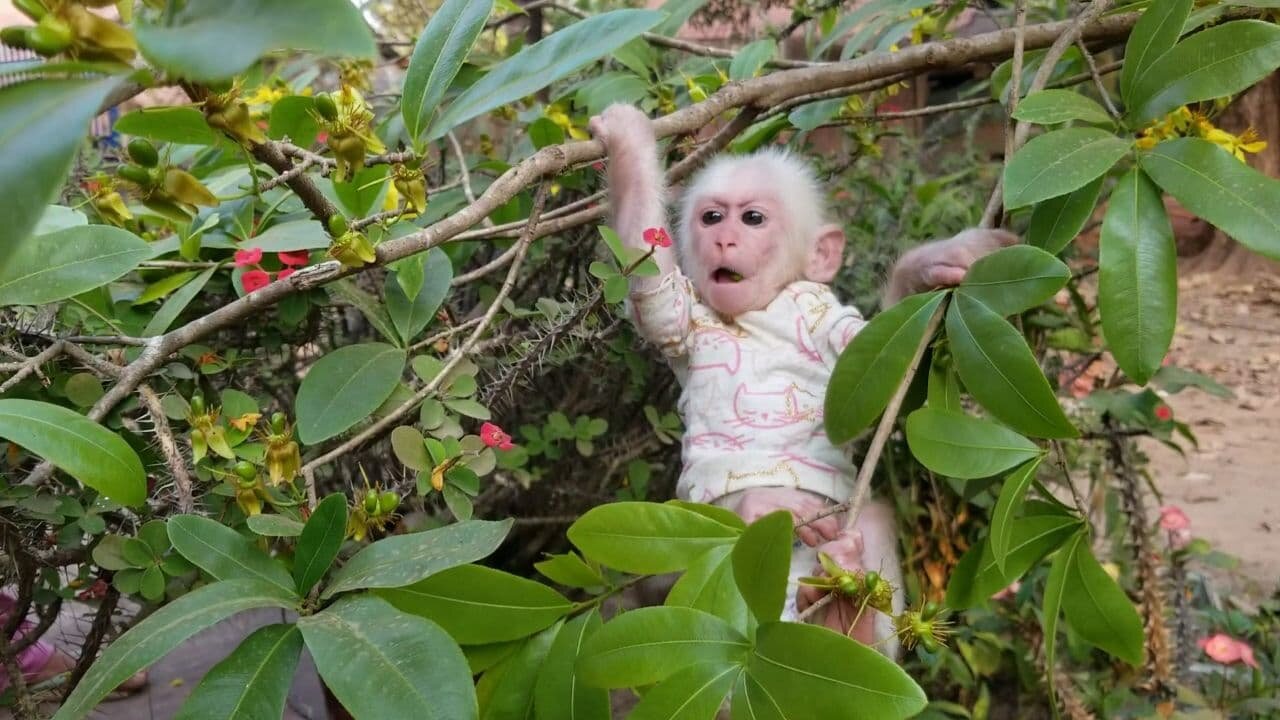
[(1000, 372), (412, 316), (292, 235), (382, 663), (250, 683), (646, 538), (810, 671), (319, 542), (1138, 277), (215, 39), (176, 303), (405, 559), (1050, 107), (45, 268), (1098, 609), (761, 563), (962, 446), (375, 312), (559, 693), (1219, 61), (1057, 221), (1014, 279), (506, 692), (293, 117), (1056, 163), (750, 59), (222, 552), (543, 63), (874, 363), (163, 631), (1213, 185), (345, 387), (708, 585), (477, 605), (694, 693), (647, 645), (1011, 493), (752, 702), (438, 56), (1153, 35), (44, 123), (977, 576), (76, 445), (184, 125), (1055, 588)]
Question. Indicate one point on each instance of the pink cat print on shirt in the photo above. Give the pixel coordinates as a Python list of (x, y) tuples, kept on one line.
[(714, 349), (775, 409), (718, 441)]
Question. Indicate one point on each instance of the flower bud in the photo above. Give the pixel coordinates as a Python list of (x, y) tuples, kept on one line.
[(197, 404), (371, 503), (388, 502), (278, 423), (136, 175), (143, 152), (325, 107)]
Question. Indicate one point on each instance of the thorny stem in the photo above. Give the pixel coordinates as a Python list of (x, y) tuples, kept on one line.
[(168, 447), (1097, 79)]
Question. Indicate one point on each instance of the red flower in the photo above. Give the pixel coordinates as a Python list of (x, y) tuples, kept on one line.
[(1227, 650), (255, 280), (285, 273), (657, 237), (1163, 412), (598, 165), (95, 591), (493, 436), (1172, 518), (294, 258), (248, 256)]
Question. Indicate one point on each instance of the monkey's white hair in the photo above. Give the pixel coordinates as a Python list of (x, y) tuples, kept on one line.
[(794, 180)]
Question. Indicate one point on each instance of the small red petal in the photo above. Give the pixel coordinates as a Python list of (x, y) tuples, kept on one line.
[(255, 280), (1163, 412), (248, 256), (294, 257), (285, 273)]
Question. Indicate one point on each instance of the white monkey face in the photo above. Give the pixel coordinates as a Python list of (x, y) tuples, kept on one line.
[(741, 246)]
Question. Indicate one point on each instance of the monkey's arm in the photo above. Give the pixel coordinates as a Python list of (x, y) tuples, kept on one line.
[(942, 263)]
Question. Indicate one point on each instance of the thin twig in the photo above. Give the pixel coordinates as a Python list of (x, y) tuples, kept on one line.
[(93, 640), (169, 447), (465, 175), (446, 334), (33, 365), (1097, 79)]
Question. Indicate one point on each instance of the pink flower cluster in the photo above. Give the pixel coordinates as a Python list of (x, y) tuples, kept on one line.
[(657, 237), (1176, 522), (493, 436), (1227, 650), (258, 278)]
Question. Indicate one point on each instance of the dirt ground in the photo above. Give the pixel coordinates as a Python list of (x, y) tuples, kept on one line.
[(1229, 329)]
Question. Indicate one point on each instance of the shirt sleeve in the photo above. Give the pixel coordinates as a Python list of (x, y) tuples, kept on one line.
[(662, 314)]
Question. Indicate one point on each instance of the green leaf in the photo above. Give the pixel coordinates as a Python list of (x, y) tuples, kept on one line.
[(874, 363), (1212, 184), (363, 190), (1056, 163), (457, 501), (439, 54), (163, 287), (507, 691), (412, 316), (813, 115), (250, 683), (615, 289), (650, 644), (569, 570), (751, 702), (406, 443), (543, 63), (291, 118), (1212, 63), (274, 526), (1098, 609), (559, 693), (1015, 487), (708, 585), (468, 407), (405, 559), (1000, 372), (320, 541), (977, 576), (345, 387), (694, 693), (761, 563), (677, 14), (543, 132), (44, 124), (368, 305), (1014, 279), (183, 125), (478, 605), (293, 235), (1174, 379), (163, 631), (751, 59), (83, 389), (382, 663), (810, 671), (1138, 277), (177, 302), (1154, 34), (1057, 221), (216, 39), (961, 446), (1050, 107), (1054, 588), (45, 268), (724, 516), (647, 538), (224, 553), (78, 446)]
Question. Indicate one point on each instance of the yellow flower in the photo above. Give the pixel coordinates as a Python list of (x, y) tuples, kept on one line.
[(392, 200), (245, 421), (264, 95)]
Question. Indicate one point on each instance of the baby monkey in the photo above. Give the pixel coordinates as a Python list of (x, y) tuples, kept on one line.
[(742, 312)]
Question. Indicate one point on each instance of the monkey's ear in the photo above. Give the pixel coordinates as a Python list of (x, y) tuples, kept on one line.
[(826, 254)]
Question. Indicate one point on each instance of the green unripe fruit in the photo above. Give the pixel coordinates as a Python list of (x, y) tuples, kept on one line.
[(197, 404), (15, 36), (325, 107), (137, 175), (848, 585), (278, 421), (33, 9), (388, 502), (929, 643), (871, 581), (143, 152), (49, 39), (930, 610), (371, 503), (246, 470), (337, 225)]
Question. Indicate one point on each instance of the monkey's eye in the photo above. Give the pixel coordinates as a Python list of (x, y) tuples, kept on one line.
[(711, 217), (753, 217)]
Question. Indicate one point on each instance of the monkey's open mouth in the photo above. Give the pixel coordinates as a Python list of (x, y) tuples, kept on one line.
[(726, 275)]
